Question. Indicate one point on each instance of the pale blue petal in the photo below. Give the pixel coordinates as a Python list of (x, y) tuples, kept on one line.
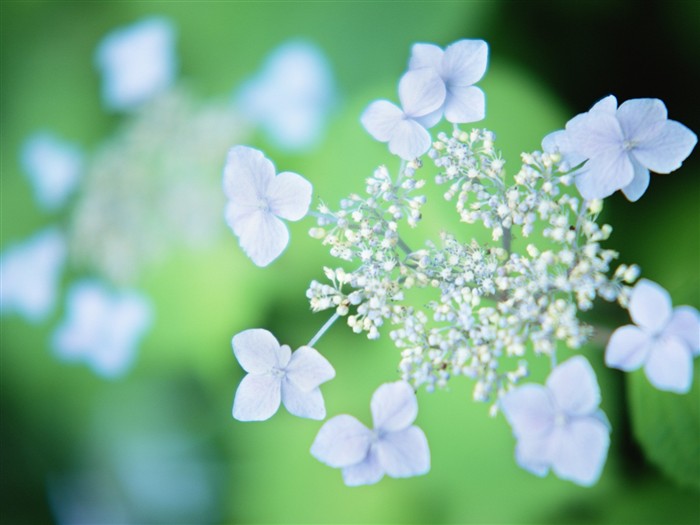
[(529, 410), (628, 348), (404, 453), (670, 365), (650, 306), (409, 140), (574, 386), (262, 236), (533, 454), (640, 182), (247, 175), (641, 119), (367, 472), (257, 351), (257, 398), (579, 450), (381, 118), (604, 174), (431, 119), (464, 63), (308, 369), (685, 324), (667, 151), (302, 403), (394, 406), (289, 196), (606, 105), (558, 142), (595, 133), (426, 55), (342, 441), (421, 91), (465, 104)]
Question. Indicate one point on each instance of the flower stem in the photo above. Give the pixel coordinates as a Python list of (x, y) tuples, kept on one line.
[(323, 329)]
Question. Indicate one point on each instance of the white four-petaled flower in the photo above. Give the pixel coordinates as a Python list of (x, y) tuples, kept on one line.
[(664, 340), (258, 200), (276, 374), (395, 446), (559, 425)]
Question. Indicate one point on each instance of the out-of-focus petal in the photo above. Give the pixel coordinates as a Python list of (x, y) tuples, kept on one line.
[(464, 63), (604, 174), (404, 453), (289, 196), (650, 306), (257, 350), (262, 236), (685, 324), (303, 403), (308, 369), (394, 406), (640, 182), (641, 119), (606, 105), (574, 386), (431, 119), (529, 410), (247, 175), (533, 454), (666, 151), (426, 55), (381, 118), (670, 365), (558, 142), (464, 105), (579, 451), (257, 398), (409, 140), (421, 91), (628, 348), (366, 472), (342, 441)]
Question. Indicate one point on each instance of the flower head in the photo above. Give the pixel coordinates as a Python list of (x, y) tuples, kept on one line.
[(259, 199), (459, 66), (395, 446), (663, 339), (276, 374), (559, 425)]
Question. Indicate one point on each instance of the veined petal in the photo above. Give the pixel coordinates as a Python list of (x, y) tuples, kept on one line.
[(650, 306), (421, 91), (366, 472), (429, 120), (289, 196), (640, 182), (247, 174), (595, 133), (465, 104), (409, 140), (464, 63), (529, 410), (628, 348), (380, 118), (394, 406), (574, 386), (668, 149), (641, 119), (308, 369), (262, 236), (341, 442), (685, 324), (670, 365), (426, 55), (604, 174), (404, 453), (303, 403), (257, 351), (257, 398), (580, 450), (533, 454)]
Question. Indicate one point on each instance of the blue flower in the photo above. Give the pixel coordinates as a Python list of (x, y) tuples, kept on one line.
[(395, 446), (559, 426), (664, 340)]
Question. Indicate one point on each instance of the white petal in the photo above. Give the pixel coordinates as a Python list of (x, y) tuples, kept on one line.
[(426, 55), (465, 104), (257, 398), (404, 453), (685, 324), (606, 105), (533, 454), (650, 306), (380, 118), (258, 351), (604, 174), (421, 91), (574, 386), (667, 151), (262, 236), (409, 140), (308, 369), (558, 141), (289, 196), (641, 119), (628, 348), (595, 133), (464, 63), (580, 450), (431, 119), (247, 175), (394, 406), (529, 410), (341, 442), (640, 182), (303, 403), (366, 472), (670, 365)]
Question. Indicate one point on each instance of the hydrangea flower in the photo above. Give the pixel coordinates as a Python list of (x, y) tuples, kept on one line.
[(559, 425), (136, 62), (30, 273), (102, 328), (421, 93), (394, 447), (276, 374), (258, 200), (53, 166), (664, 339), (459, 66), (622, 145), (291, 97)]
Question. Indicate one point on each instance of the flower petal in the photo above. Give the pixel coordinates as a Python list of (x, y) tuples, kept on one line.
[(595, 133), (685, 324), (426, 55), (606, 105), (574, 386), (628, 348), (641, 119), (247, 174), (341, 442), (533, 454), (464, 63), (394, 406), (366, 472), (529, 410), (421, 91), (650, 306), (303, 403), (380, 118), (262, 236), (580, 450), (431, 119), (257, 398), (670, 365), (404, 453), (640, 182), (667, 151), (409, 140), (465, 105), (289, 196), (604, 174), (258, 351), (308, 369), (558, 141)]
